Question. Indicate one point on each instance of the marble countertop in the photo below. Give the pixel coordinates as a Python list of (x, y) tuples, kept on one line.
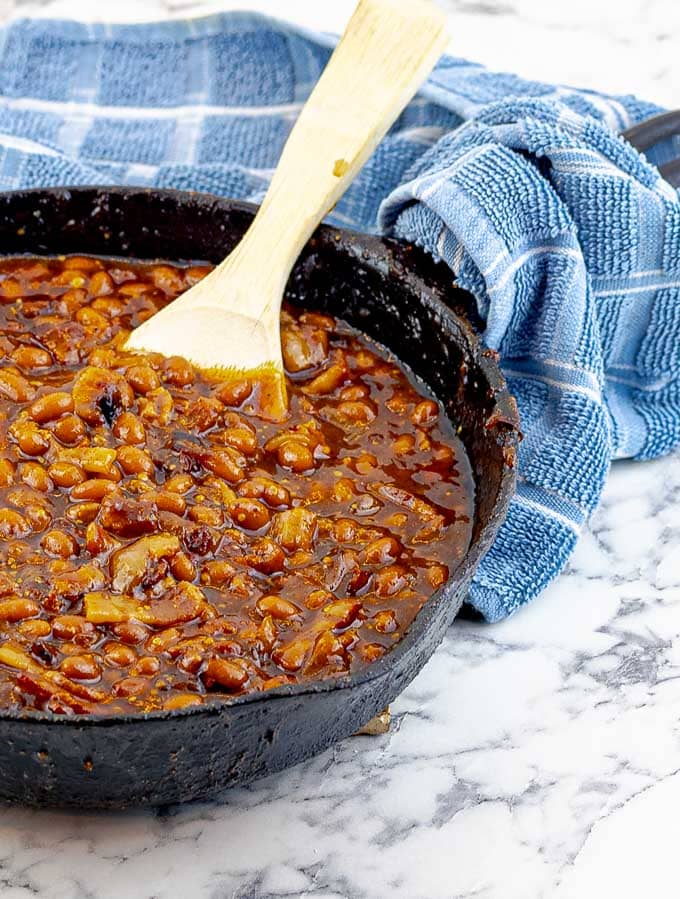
[(535, 758)]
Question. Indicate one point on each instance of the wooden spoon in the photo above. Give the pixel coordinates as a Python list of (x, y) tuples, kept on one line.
[(229, 321)]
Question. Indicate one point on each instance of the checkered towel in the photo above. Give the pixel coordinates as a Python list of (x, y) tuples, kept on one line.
[(567, 238)]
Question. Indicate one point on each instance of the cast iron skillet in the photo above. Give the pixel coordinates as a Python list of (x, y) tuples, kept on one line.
[(395, 294)]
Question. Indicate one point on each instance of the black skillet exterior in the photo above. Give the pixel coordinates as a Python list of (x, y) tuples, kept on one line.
[(394, 293)]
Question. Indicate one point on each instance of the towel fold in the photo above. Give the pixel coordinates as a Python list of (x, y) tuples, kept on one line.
[(567, 238)]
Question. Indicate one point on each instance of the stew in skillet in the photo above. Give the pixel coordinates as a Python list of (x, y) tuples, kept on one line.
[(163, 544)]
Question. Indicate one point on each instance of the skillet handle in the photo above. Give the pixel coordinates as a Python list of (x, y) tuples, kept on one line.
[(651, 132)]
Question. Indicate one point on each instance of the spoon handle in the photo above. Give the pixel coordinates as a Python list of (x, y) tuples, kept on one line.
[(386, 52), (229, 321)]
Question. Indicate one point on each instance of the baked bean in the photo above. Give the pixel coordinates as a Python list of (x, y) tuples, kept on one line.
[(60, 544), (207, 515), (10, 288), (225, 463), (166, 501), (36, 476), (385, 621), (132, 289), (130, 686), (15, 387), (303, 348), (81, 667), (134, 460), (381, 551), (142, 378), (146, 666), (167, 279), (66, 474), (157, 406), (294, 529), (327, 381), (345, 530), (404, 445), (357, 412), (228, 674), (399, 402), (390, 580), (425, 413), (318, 598), (111, 307), (292, 656), (92, 319), (264, 556), (18, 609), (179, 483), (129, 429), (195, 273), (267, 634), (97, 540), (69, 430), (355, 392), (278, 681), (217, 573), (31, 358), (101, 284), (436, 574), (275, 495), (364, 360), (130, 632), (71, 277), (242, 439), (277, 607), (182, 567), (79, 264), (295, 456), (371, 652), (34, 628), (93, 489), (328, 653), (422, 441), (97, 460), (182, 701), (38, 516), (68, 627), (204, 414), (83, 513), (71, 303), (178, 371), (120, 655), (7, 470), (235, 393), (32, 440), (249, 513), (343, 612), (13, 525)]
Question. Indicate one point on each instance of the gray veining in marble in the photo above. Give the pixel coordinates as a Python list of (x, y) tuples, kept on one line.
[(536, 758)]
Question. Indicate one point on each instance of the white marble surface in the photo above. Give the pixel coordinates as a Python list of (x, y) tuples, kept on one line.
[(536, 758)]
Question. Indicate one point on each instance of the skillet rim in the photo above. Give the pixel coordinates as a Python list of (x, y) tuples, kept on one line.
[(502, 423)]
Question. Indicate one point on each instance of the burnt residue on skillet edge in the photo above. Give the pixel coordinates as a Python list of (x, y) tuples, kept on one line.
[(396, 294)]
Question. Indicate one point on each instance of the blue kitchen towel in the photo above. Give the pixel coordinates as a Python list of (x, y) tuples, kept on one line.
[(567, 238)]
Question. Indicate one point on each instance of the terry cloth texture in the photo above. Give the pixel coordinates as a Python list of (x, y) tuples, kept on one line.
[(567, 238)]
